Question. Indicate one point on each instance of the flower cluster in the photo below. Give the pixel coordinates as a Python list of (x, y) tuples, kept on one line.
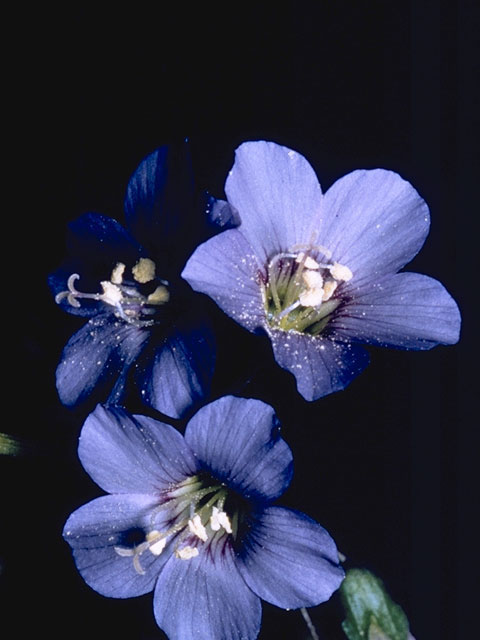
[(192, 516), (192, 519)]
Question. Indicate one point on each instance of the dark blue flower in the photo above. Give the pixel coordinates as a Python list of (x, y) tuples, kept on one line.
[(192, 519), (318, 272), (126, 281)]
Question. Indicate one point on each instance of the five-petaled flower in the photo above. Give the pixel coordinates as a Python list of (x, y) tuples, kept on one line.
[(127, 282), (318, 272), (191, 517)]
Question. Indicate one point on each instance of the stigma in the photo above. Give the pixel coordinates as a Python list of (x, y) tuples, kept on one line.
[(302, 289), (134, 295)]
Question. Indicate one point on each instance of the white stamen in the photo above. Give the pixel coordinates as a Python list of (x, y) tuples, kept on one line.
[(157, 547), (312, 296), (196, 527), (341, 272), (309, 263), (144, 270), (329, 289), (111, 293), (117, 273), (220, 519), (186, 553), (125, 552), (312, 279)]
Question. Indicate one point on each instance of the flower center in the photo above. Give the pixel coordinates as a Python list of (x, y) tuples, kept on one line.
[(196, 518), (301, 291), (135, 299)]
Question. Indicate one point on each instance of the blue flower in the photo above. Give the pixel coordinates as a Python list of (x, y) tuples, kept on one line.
[(318, 272), (191, 517), (126, 281)]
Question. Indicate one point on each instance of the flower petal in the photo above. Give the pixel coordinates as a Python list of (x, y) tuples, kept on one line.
[(238, 441), (277, 195), (289, 560), (374, 222), (133, 454), (406, 310), (162, 210), (205, 598), (221, 214), (101, 237), (320, 364), (100, 351), (225, 268), (179, 373), (97, 527)]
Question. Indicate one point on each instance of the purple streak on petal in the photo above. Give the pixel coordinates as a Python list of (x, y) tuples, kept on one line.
[(238, 441), (133, 454), (289, 560), (97, 527), (277, 195), (320, 365), (205, 598), (179, 373), (225, 268), (406, 310), (374, 222), (97, 353)]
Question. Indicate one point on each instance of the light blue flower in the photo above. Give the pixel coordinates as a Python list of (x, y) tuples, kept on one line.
[(318, 272), (192, 518)]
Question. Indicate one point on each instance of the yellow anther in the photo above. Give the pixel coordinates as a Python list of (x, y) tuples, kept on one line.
[(309, 262), (196, 527), (312, 296), (329, 289), (185, 553), (220, 519), (159, 296), (144, 270), (117, 273), (158, 541), (341, 272)]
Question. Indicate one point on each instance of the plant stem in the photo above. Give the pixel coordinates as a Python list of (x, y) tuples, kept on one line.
[(309, 623)]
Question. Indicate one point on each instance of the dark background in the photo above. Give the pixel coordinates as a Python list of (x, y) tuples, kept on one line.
[(387, 466)]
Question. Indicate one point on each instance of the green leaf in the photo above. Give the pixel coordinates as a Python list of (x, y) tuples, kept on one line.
[(370, 612), (12, 446)]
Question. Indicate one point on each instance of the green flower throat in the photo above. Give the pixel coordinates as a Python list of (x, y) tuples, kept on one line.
[(301, 293)]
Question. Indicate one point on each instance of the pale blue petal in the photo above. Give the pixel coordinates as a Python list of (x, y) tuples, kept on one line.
[(238, 440), (277, 196), (133, 454), (321, 365), (289, 560), (205, 598), (374, 222), (406, 310)]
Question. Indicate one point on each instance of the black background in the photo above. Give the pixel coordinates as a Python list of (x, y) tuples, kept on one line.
[(387, 466)]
